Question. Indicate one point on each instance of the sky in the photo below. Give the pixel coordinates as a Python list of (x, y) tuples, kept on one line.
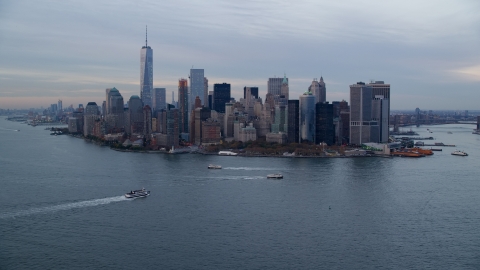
[(429, 51)]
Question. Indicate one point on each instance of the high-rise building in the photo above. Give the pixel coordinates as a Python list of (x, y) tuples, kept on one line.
[(221, 95), (183, 105), (90, 116), (253, 92), (307, 117), (114, 111), (280, 123), (381, 108), (293, 134), (60, 106), (147, 121), (363, 128), (159, 99), (146, 74), (135, 109), (278, 87), (324, 129), (205, 92), (318, 90), (284, 89), (197, 86)]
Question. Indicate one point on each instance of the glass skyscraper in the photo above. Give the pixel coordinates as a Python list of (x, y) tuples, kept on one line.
[(197, 86), (146, 74)]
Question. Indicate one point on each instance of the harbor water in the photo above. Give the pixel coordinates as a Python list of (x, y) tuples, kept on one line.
[(62, 207)]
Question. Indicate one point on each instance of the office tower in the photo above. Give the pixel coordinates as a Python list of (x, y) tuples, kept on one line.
[(147, 121), (210, 100), (280, 123), (205, 91), (159, 99), (135, 109), (104, 109), (362, 128), (318, 90), (221, 95), (284, 89), (53, 108), (228, 125), (60, 106), (307, 117), (253, 92), (381, 107), (183, 105), (323, 90), (90, 116), (115, 113), (197, 87), (278, 87), (293, 129), (324, 129), (274, 86), (146, 73), (345, 122)]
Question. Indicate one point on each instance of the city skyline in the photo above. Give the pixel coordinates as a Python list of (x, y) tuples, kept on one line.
[(426, 56)]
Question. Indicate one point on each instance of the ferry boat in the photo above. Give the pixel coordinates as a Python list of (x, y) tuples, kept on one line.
[(212, 166), (407, 154), (139, 193), (227, 153), (427, 152), (275, 176), (459, 153)]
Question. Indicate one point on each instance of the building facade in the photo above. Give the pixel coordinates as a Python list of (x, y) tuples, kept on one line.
[(221, 96), (159, 99), (324, 128), (146, 74), (307, 117)]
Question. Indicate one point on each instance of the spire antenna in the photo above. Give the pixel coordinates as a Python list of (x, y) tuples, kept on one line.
[(146, 44)]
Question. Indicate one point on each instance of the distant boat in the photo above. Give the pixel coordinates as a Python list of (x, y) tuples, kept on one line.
[(275, 176), (212, 166), (139, 193), (227, 153), (436, 149), (459, 153)]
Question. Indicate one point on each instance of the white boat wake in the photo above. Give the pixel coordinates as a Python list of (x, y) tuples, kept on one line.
[(67, 206), (254, 169)]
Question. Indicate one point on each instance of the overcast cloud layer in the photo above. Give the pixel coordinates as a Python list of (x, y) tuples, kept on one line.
[(73, 50)]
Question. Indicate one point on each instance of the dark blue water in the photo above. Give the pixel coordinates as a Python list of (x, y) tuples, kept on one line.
[(62, 208)]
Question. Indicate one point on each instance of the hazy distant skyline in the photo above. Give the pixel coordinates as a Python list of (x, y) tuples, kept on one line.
[(428, 51)]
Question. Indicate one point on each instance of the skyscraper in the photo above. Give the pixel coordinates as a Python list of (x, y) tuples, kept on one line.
[(362, 127), (307, 117), (114, 110), (135, 108), (324, 129), (197, 86), (278, 87), (221, 95), (146, 73), (318, 90), (183, 105), (293, 121), (253, 92), (159, 99), (381, 108), (284, 89), (90, 116)]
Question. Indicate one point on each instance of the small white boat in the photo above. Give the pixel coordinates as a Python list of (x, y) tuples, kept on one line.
[(459, 153), (212, 166), (275, 176), (227, 153), (139, 193)]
